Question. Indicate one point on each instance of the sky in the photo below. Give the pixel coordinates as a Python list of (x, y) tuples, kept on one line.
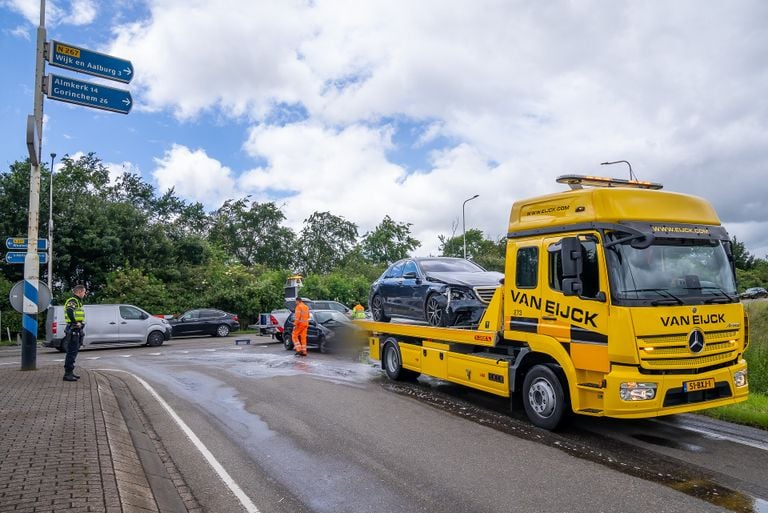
[(408, 108)]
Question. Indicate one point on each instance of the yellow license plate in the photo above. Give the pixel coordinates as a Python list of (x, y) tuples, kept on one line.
[(699, 384)]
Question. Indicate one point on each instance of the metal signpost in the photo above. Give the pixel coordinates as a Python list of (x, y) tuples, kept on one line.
[(89, 94), (67, 56), (62, 55), (18, 257), (22, 243)]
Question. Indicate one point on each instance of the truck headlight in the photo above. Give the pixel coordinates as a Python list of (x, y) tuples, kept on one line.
[(633, 391), (740, 378)]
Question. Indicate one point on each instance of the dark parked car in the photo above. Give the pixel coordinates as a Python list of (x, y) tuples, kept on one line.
[(328, 329), (754, 293), (442, 291), (205, 321)]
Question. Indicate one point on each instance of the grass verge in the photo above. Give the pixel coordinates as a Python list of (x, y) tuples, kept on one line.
[(753, 412)]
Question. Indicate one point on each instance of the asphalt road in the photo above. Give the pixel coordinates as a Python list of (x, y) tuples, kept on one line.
[(330, 433)]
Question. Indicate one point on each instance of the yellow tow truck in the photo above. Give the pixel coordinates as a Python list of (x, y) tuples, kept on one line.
[(618, 300)]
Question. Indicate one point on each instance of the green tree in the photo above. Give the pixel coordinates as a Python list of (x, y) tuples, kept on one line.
[(253, 235), (485, 252), (325, 241), (741, 257), (388, 242)]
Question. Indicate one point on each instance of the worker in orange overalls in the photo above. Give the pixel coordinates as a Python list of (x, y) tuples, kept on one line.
[(300, 324)]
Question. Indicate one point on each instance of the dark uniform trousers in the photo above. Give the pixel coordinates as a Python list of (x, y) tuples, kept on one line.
[(73, 339)]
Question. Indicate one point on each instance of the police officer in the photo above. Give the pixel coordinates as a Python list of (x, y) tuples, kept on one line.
[(73, 333)]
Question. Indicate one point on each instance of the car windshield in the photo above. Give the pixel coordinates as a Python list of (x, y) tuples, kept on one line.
[(450, 266), (672, 271), (323, 316)]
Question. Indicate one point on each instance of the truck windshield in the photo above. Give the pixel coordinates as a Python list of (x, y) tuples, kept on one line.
[(672, 271)]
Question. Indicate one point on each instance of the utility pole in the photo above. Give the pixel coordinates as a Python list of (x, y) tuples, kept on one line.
[(50, 228), (32, 260), (463, 225)]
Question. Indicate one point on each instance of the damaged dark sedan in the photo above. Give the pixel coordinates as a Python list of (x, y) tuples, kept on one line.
[(441, 291)]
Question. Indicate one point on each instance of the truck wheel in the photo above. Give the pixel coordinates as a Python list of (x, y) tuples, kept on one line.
[(543, 397), (287, 343), (435, 313), (155, 339), (393, 363), (377, 309), (222, 330)]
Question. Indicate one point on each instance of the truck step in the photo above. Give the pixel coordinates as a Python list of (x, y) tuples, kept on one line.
[(590, 386), (590, 411)]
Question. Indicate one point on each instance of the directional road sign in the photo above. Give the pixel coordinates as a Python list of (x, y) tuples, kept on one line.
[(65, 55), (89, 94), (17, 257), (23, 242)]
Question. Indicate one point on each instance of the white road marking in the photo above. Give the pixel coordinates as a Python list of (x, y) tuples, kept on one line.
[(246, 502), (211, 350), (124, 355), (93, 357), (155, 354), (7, 363)]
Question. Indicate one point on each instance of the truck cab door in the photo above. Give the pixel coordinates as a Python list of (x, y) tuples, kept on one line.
[(575, 308)]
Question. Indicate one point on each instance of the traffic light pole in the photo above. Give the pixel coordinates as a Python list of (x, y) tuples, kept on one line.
[(32, 261)]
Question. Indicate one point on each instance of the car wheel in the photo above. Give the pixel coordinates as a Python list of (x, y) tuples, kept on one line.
[(155, 339), (287, 343), (279, 336), (323, 346), (435, 313), (393, 363), (222, 330), (543, 397), (377, 309)]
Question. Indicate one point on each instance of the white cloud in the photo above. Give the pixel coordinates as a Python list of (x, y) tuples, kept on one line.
[(195, 176), (80, 12), (538, 89), (75, 12)]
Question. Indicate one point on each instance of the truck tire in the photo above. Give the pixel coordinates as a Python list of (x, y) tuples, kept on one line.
[(155, 339), (377, 309), (393, 363), (544, 398)]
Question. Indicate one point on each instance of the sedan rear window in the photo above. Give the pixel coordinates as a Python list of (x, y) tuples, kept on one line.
[(450, 266)]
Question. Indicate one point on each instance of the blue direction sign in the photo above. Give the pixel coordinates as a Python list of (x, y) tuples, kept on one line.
[(89, 94), (65, 55), (23, 242), (17, 257)]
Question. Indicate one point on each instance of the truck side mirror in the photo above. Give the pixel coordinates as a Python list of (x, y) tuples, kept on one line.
[(573, 264), (571, 257)]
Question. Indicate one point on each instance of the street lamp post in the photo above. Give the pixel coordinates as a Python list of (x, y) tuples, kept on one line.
[(50, 228), (463, 225)]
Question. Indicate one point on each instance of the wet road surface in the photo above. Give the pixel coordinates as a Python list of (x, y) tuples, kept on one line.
[(330, 433)]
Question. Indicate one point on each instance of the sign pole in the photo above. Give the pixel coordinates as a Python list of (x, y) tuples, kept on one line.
[(31, 262)]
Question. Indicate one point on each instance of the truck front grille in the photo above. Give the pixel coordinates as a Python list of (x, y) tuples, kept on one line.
[(671, 351)]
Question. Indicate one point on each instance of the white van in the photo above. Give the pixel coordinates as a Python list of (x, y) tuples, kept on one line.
[(107, 325)]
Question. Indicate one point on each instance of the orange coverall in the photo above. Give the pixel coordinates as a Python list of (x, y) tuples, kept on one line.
[(300, 324)]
